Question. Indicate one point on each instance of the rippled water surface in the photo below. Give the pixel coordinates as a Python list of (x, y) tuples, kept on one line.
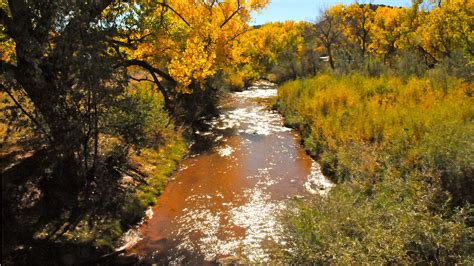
[(224, 201)]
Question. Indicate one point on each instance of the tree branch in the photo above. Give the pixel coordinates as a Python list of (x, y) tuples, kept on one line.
[(420, 48), (131, 41), (143, 64), (237, 34), (163, 4), (40, 127), (153, 71), (140, 80), (233, 14)]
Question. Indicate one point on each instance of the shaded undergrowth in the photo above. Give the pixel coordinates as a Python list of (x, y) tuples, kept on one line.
[(43, 221)]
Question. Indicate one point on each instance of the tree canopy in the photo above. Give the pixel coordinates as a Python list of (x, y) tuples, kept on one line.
[(72, 61)]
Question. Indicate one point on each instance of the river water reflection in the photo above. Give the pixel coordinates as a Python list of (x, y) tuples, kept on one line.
[(223, 202)]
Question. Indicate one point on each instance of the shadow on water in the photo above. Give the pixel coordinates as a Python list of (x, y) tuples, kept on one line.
[(204, 139), (204, 134)]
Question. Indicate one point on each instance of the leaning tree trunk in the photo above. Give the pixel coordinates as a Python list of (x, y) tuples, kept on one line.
[(39, 79), (64, 129), (44, 58)]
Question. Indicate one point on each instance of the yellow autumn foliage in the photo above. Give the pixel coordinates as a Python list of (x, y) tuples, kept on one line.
[(401, 153), (266, 46), (193, 40)]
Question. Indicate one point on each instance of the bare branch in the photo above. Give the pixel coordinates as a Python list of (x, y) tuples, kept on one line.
[(122, 44), (163, 4), (131, 41), (140, 80), (40, 127), (239, 7)]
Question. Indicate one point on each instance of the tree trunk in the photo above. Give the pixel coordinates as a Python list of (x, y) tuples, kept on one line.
[(331, 61), (41, 85)]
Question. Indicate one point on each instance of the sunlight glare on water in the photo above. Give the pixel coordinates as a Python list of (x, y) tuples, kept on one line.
[(224, 202)]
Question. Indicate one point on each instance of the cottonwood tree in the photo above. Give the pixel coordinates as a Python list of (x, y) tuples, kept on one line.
[(386, 32), (357, 24), (328, 30), (70, 58), (192, 41), (61, 63), (447, 29)]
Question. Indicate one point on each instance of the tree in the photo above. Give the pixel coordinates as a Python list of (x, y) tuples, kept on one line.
[(272, 50), (71, 58), (192, 41), (358, 21), (386, 31), (328, 30), (68, 79), (448, 28)]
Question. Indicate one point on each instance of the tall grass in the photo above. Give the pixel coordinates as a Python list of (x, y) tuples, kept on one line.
[(358, 126), (408, 144)]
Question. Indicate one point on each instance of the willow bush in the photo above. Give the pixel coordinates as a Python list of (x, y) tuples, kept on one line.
[(402, 151)]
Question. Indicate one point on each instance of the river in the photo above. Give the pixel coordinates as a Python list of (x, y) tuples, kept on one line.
[(222, 204)]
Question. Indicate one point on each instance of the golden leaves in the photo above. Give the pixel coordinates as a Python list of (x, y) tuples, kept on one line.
[(7, 45), (386, 30), (195, 39), (266, 44), (7, 50), (195, 63), (447, 28)]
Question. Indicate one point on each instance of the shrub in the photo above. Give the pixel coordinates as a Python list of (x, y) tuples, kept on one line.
[(402, 153), (391, 225), (138, 117)]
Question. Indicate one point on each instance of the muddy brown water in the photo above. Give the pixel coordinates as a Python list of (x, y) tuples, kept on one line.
[(224, 201)]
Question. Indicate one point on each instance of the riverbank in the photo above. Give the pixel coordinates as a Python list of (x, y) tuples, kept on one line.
[(401, 153), (223, 202), (127, 183)]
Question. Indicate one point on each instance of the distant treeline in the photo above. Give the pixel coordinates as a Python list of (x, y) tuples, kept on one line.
[(364, 38)]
